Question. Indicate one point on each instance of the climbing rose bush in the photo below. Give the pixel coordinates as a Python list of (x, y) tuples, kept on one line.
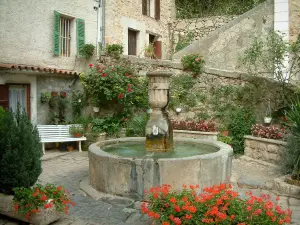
[(194, 126), (216, 205), (31, 200), (271, 132)]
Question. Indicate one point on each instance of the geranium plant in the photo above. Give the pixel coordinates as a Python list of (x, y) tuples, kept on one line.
[(271, 132), (193, 62), (216, 205), (115, 83), (31, 200), (194, 126)]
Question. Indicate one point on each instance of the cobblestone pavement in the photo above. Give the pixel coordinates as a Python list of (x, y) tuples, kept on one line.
[(69, 169)]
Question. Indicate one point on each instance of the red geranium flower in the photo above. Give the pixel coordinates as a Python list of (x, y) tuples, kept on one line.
[(91, 65), (104, 74), (120, 96)]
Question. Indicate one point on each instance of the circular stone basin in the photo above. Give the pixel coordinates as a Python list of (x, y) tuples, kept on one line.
[(123, 167)]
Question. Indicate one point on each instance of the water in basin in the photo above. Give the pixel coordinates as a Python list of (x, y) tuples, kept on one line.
[(137, 150)]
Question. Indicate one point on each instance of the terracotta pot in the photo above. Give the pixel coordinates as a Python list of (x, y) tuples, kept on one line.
[(70, 148), (63, 94), (225, 132), (148, 54), (77, 135), (54, 93)]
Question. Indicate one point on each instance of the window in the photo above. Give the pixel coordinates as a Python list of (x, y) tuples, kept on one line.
[(151, 8), (65, 36), (14, 94), (62, 30), (132, 42)]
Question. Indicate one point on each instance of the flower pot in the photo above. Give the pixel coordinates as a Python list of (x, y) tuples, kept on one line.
[(77, 135), (148, 54), (70, 148), (54, 93), (44, 217), (267, 119), (63, 94), (225, 132), (96, 109)]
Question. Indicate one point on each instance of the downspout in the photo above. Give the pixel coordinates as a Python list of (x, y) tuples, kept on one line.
[(103, 24)]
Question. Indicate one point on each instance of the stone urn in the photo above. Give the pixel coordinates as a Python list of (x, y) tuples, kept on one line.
[(159, 133), (45, 217)]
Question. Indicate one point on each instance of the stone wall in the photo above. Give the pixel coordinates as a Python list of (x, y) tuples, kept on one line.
[(268, 150), (223, 47), (294, 19), (198, 28), (57, 84)]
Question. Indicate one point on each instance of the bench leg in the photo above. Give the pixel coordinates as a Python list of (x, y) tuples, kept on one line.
[(43, 144), (79, 146)]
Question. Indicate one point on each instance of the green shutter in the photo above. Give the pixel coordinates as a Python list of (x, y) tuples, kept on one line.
[(80, 27), (56, 31)]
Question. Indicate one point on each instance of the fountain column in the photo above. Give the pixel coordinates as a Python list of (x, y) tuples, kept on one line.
[(159, 132)]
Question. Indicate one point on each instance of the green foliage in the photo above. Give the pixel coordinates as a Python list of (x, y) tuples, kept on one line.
[(79, 101), (203, 116), (114, 50), (225, 139), (58, 106), (135, 127), (116, 84), (87, 51), (205, 8), (109, 124), (20, 151), (291, 158), (84, 121), (241, 121), (193, 62), (31, 200), (184, 42), (180, 91), (45, 97), (267, 58), (76, 129), (2, 112)]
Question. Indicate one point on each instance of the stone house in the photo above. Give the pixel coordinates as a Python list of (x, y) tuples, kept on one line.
[(40, 41), (136, 23)]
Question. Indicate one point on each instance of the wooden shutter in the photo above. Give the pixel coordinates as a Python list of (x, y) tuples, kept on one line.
[(157, 49), (132, 42), (4, 96), (80, 30), (157, 9), (144, 7), (56, 32)]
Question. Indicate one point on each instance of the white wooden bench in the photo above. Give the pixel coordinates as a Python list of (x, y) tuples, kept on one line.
[(57, 133)]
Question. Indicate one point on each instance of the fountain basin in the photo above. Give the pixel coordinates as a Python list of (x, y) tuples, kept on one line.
[(130, 176)]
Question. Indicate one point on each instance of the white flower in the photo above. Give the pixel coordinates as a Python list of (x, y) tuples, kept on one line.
[(79, 100)]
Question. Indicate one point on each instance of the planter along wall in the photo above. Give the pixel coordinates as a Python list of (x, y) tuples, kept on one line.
[(268, 150), (195, 134), (46, 216)]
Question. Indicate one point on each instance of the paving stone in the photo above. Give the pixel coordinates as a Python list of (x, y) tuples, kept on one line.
[(294, 202)]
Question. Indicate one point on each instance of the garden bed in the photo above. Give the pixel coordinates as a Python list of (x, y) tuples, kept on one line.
[(264, 149), (195, 134), (46, 216)]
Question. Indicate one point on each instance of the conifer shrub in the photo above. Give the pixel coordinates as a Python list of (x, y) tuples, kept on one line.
[(20, 151)]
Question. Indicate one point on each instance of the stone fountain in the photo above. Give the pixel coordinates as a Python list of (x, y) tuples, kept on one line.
[(128, 166)]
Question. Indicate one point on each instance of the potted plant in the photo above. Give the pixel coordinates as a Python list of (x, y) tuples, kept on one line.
[(63, 94), (54, 93), (76, 131), (149, 51), (39, 205), (70, 148), (45, 97)]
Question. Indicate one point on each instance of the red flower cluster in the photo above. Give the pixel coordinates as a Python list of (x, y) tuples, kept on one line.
[(218, 204), (30, 200), (194, 126), (271, 132)]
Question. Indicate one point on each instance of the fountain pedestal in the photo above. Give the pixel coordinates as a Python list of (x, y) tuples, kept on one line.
[(159, 133)]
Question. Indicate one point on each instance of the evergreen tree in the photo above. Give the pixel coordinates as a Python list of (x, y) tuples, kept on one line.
[(20, 151)]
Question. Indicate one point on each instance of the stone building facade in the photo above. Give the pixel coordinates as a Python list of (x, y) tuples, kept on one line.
[(138, 23), (294, 19), (42, 39)]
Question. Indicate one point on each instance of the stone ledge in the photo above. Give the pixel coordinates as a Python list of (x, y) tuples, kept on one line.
[(265, 140), (264, 163), (286, 189)]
